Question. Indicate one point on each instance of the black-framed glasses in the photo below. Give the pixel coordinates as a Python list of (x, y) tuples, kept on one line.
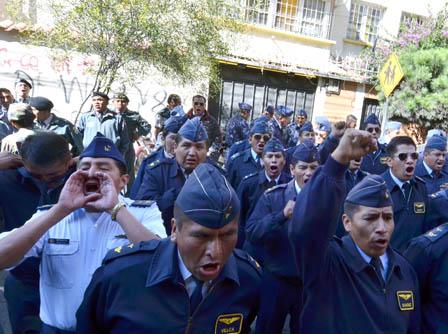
[(199, 104), (258, 137), (404, 156), (371, 130)]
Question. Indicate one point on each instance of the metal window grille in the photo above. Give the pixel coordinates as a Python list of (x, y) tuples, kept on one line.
[(307, 17), (364, 22)]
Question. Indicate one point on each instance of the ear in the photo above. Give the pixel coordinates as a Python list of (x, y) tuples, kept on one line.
[(124, 179), (389, 162), (347, 223), (173, 235)]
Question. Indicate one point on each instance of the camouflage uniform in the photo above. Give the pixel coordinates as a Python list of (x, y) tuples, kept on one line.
[(237, 130)]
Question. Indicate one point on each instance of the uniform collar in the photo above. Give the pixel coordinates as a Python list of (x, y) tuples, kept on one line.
[(355, 260), (296, 187), (165, 266)]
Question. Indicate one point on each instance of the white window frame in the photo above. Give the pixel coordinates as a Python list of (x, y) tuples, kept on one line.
[(363, 14)]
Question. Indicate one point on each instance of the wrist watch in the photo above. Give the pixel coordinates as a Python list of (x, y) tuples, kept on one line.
[(115, 210)]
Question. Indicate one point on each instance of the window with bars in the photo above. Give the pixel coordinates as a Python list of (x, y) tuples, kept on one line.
[(408, 19), (364, 22), (307, 17)]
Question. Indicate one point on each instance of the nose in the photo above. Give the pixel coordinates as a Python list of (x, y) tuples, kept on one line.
[(381, 226), (214, 249), (92, 170)]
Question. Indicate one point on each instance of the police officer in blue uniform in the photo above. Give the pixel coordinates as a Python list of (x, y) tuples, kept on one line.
[(163, 180), (294, 127), (430, 168), (407, 190), (279, 124), (357, 284), (46, 120), (306, 133), (254, 185), (194, 282), (374, 162), (169, 134), (237, 127), (22, 190), (428, 254), (249, 161), (268, 228)]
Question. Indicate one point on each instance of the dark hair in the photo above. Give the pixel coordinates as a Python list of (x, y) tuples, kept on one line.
[(351, 116), (391, 148), (174, 98), (45, 149), (5, 90), (121, 167), (180, 216), (199, 97), (350, 209), (26, 122)]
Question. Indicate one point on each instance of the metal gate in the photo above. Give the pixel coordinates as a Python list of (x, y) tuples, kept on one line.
[(261, 89)]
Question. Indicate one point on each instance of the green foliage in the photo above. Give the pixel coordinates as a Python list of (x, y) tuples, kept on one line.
[(180, 38)]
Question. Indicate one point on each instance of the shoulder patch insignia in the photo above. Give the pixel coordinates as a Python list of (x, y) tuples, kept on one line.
[(405, 300), (142, 203), (229, 323), (45, 207), (436, 233), (144, 246)]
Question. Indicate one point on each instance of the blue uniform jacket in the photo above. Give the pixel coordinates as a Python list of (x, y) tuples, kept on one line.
[(268, 227), (432, 183), (375, 163), (281, 134), (162, 183), (327, 147), (240, 165), (342, 293), (410, 216), (428, 254), (237, 130), (438, 205), (141, 290), (239, 146), (158, 155)]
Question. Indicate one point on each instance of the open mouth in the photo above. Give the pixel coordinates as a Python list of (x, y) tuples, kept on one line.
[(380, 243), (91, 186), (210, 270), (409, 170), (273, 169)]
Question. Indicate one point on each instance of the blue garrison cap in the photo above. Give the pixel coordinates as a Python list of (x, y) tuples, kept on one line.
[(325, 125), (273, 145), (437, 143), (174, 123), (305, 152), (102, 147), (270, 109), (284, 111), (372, 119), (207, 198), (259, 127), (262, 118), (41, 103), (193, 130), (306, 127), (371, 191), (302, 112), (244, 106), (177, 111)]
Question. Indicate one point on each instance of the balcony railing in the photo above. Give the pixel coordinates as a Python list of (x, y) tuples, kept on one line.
[(306, 17)]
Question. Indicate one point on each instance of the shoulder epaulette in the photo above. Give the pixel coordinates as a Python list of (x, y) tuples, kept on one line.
[(239, 142), (439, 194), (247, 258), (144, 246), (436, 233), (45, 207), (142, 203), (418, 178), (154, 164), (250, 175), (236, 155), (279, 186)]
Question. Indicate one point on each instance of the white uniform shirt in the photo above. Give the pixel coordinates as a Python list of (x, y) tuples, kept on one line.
[(72, 250)]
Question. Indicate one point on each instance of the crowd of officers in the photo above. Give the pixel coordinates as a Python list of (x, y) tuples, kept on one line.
[(328, 226)]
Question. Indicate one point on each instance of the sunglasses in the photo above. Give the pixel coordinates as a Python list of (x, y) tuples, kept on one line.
[(258, 137), (199, 103), (371, 130), (404, 156)]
